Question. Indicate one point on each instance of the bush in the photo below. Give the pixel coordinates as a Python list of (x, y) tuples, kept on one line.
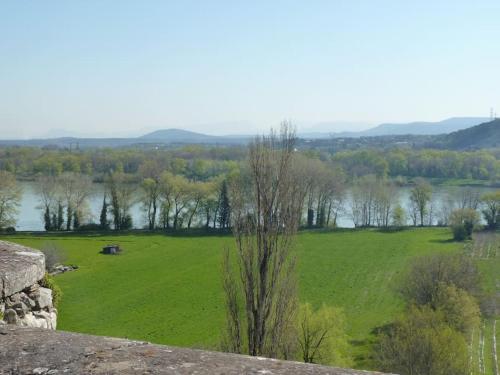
[(463, 222), (10, 230), (429, 272), (398, 217), (422, 343), (459, 308), (322, 337), (459, 232), (90, 227), (49, 282), (127, 223)]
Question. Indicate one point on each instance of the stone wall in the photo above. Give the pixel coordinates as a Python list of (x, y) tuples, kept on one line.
[(42, 351), (23, 301)]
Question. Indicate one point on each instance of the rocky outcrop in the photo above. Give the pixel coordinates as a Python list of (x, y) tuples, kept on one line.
[(35, 351), (20, 267), (22, 300)]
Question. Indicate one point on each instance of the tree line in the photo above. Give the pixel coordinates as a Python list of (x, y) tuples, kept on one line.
[(205, 162), (171, 201)]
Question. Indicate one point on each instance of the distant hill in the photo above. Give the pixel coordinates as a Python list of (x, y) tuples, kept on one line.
[(158, 137), (424, 128), (178, 135), (479, 136), (485, 135)]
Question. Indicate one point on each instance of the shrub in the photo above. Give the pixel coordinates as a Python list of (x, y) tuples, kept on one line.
[(398, 217), (429, 272), (321, 336), (459, 308), (422, 343), (49, 282), (462, 223), (127, 223), (90, 227)]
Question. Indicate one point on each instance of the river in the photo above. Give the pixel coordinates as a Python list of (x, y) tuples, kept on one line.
[(30, 216)]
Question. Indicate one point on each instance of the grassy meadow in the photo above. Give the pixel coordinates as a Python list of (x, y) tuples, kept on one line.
[(167, 289)]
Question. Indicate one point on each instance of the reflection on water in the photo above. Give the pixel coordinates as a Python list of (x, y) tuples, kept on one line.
[(31, 218)]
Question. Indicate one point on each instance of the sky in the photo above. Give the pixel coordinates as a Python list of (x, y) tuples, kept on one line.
[(239, 67)]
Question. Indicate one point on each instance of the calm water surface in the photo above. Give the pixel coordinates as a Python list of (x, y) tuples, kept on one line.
[(31, 217)]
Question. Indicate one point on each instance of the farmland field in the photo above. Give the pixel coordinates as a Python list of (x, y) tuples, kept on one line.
[(167, 289)]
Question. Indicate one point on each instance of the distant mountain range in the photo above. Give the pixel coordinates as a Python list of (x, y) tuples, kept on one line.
[(411, 128), (459, 138)]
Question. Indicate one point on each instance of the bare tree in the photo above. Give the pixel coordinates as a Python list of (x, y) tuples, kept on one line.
[(10, 197), (384, 202), (47, 189), (74, 189), (363, 195), (420, 196), (266, 214)]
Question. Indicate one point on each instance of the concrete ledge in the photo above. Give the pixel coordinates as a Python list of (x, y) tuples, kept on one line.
[(38, 351), (20, 267)]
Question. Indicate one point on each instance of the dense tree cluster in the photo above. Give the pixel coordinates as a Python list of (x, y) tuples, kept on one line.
[(193, 162), (204, 162), (481, 165), (186, 187), (432, 336)]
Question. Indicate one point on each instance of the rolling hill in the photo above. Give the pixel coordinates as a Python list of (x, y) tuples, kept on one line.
[(178, 135), (478, 136), (485, 135), (416, 128)]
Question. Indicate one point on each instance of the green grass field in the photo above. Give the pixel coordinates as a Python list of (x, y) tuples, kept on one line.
[(167, 289)]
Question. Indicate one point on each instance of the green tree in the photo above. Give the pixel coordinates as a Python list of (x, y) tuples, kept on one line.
[(103, 217), (398, 217), (224, 207), (462, 223), (421, 342), (121, 190), (460, 310), (491, 211), (321, 336), (76, 221), (60, 216), (180, 193), (47, 219), (150, 200)]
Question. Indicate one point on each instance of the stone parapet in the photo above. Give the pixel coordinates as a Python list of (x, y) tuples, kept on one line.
[(36, 351)]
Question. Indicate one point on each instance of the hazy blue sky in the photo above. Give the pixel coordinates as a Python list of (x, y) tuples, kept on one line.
[(242, 66)]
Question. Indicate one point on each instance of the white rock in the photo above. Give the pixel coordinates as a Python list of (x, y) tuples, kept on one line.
[(45, 298), (20, 267)]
